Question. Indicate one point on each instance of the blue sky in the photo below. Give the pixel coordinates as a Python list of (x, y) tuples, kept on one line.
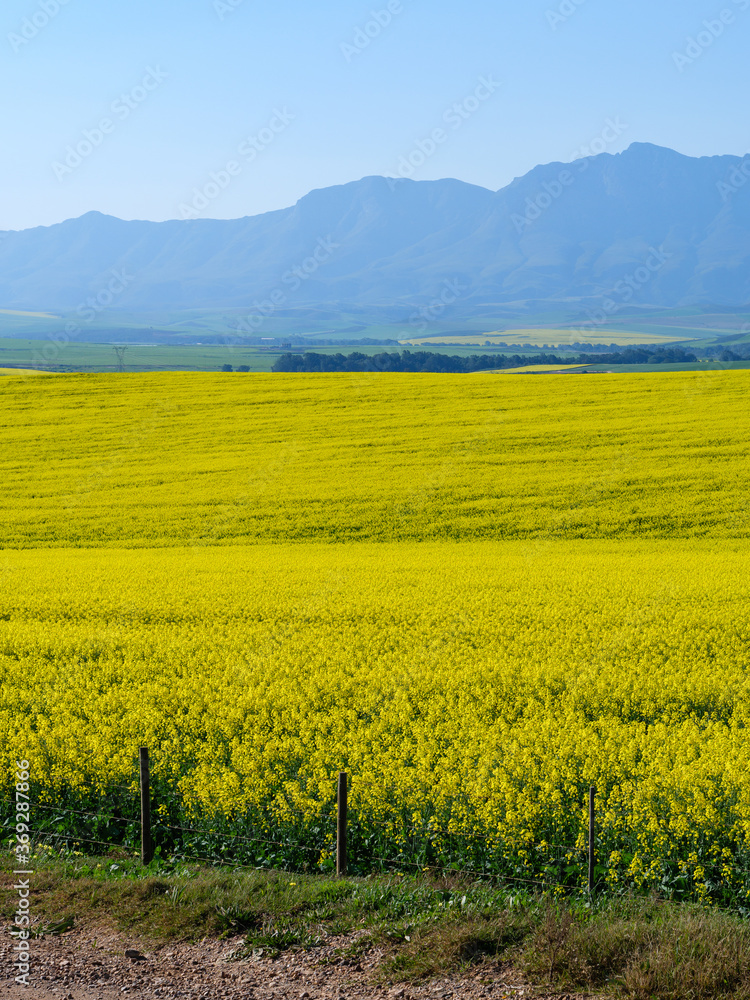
[(239, 107)]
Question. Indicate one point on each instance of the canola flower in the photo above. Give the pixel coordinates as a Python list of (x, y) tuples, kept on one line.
[(196, 459), (477, 596), (472, 687)]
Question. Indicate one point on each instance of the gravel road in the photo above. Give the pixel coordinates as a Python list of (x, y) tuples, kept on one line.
[(81, 965)]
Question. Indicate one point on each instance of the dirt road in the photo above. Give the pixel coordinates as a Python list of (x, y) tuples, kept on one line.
[(84, 965)]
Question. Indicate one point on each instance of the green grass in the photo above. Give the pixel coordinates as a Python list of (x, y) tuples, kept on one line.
[(618, 946), (102, 358), (272, 910)]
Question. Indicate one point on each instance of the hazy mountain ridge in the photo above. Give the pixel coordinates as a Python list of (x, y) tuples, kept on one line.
[(584, 232)]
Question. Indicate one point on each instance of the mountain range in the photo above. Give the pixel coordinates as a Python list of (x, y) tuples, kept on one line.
[(646, 226)]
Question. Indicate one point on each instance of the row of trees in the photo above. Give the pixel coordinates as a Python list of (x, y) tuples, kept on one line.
[(426, 361), (723, 352), (404, 361), (640, 356)]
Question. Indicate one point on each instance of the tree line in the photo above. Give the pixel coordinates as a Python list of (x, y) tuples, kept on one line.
[(427, 361)]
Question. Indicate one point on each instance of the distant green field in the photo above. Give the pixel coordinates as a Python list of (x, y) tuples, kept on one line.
[(552, 325), (695, 366), (44, 355)]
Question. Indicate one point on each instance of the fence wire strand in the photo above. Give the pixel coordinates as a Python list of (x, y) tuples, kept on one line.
[(461, 871), (247, 840), (77, 840), (100, 816), (686, 866)]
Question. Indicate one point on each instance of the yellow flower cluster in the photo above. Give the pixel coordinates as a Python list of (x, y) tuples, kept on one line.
[(468, 687), (196, 459), (478, 595)]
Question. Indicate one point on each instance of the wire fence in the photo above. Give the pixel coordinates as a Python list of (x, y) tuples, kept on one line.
[(156, 821)]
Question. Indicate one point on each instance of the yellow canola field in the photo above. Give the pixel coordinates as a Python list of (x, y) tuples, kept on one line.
[(216, 459), (478, 686), (477, 595)]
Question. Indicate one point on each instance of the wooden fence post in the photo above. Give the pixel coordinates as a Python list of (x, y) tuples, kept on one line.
[(341, 858), (592, 832), (147, 846)]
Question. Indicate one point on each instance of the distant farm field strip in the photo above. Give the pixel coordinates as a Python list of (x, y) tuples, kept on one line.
[(33, 315), (535, 369), (20, 372), (550, 337)]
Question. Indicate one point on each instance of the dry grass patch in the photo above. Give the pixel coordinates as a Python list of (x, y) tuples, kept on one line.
[(644, 949)]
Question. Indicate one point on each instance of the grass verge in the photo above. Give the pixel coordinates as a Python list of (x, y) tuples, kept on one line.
[(623, 946)]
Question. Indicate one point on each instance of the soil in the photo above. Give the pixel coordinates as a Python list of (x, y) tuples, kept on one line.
[(81, 965)]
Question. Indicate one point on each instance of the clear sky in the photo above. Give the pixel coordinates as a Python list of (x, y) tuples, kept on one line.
[(298, 96)]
